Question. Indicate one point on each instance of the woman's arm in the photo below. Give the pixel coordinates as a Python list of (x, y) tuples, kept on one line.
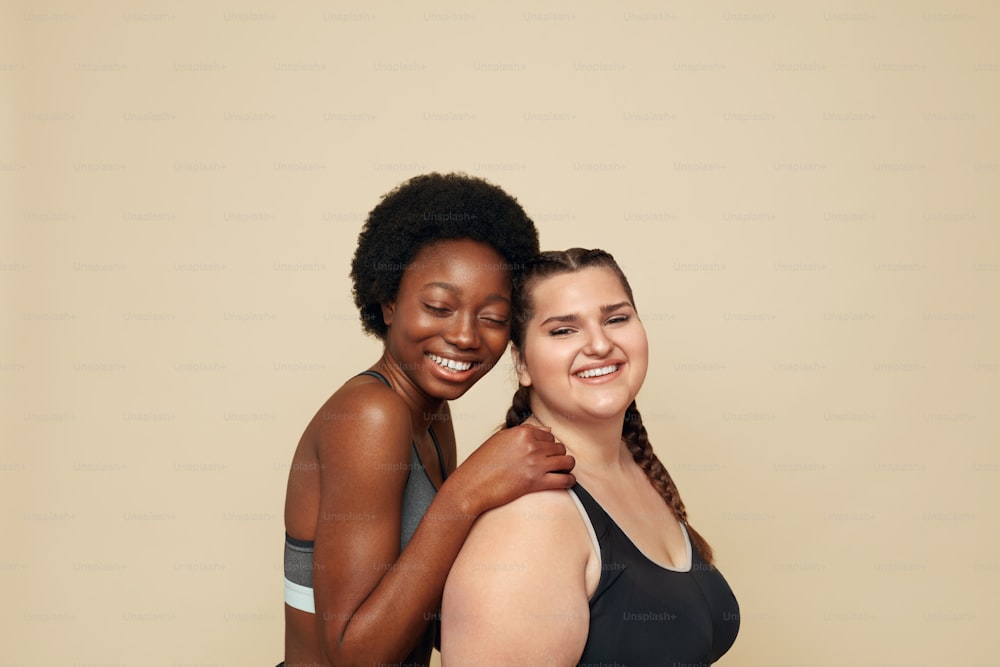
[(373, 603), (517, 594)]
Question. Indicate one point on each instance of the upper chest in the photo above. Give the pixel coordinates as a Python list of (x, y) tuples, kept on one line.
[(642, 514)]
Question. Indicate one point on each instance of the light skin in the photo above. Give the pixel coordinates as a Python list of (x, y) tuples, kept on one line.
[(447, 327), (518, 592)]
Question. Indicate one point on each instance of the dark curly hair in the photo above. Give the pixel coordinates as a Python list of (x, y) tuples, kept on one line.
[(634, 434), (424, 210)]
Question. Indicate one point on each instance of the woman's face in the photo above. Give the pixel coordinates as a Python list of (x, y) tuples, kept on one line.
[(585, 352), (450, 321)]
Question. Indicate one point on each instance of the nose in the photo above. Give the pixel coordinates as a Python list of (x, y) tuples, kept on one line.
[(598, 344), (462, 332)]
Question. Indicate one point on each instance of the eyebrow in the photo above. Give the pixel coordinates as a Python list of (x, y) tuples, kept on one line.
[(573, 317), (454, 289)]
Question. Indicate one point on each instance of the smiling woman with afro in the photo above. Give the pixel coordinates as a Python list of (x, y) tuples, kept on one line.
[(427, 209), (377, 507)]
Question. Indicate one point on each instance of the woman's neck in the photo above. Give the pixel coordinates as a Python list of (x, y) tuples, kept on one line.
[(595, 444), (424, 409)]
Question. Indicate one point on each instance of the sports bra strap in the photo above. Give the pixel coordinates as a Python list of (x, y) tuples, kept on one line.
[(437, 446), (376, 374)]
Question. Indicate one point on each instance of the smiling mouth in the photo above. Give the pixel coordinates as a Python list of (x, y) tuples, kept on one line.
[(597, 372), (450, 364)]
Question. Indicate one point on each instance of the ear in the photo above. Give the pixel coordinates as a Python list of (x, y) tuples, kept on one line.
[(388, 310), (523, 376)]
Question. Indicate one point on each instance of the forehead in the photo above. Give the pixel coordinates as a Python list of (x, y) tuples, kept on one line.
[(461, 262), (591, 287)]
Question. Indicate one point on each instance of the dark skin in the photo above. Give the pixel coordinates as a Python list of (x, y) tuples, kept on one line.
[(374, 604)]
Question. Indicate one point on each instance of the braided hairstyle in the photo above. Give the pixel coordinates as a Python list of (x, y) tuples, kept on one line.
[(634, 434)]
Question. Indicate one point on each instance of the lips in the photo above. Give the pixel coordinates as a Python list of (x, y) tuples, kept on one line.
[(598, 371), (454, 365)]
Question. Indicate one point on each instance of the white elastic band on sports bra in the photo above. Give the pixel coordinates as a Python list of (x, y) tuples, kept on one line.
[(300, 597), (586, 519)]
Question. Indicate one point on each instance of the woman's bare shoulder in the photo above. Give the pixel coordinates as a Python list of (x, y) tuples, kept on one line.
[(540, 506), (539, 522), (516, 594), (361, 404)]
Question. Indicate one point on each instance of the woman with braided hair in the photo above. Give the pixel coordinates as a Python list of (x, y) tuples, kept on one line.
[(610, 572)]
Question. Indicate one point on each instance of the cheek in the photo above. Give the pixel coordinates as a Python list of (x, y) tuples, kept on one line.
[(411, 318), (545, 363), (640, 350), (640, 342), (495, 340)]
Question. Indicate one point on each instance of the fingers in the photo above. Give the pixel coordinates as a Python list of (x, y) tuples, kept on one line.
[(551, 448), (562, 463), (539, 433), (558, 480)]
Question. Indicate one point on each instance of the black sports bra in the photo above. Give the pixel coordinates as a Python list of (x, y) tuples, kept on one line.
[(645, 614)]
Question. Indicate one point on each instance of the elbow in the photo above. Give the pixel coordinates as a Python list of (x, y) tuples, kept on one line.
[(339, 651), (337, 654), (332, 647)]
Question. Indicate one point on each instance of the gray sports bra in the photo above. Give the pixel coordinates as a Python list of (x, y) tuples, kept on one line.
[(417, 497)]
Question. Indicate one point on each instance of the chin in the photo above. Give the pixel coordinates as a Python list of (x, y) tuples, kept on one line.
[(453, 394), (448, 391), (611, 415), (607, 411)]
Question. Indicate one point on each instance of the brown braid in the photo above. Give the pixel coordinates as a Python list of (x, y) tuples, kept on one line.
[(633, 432), (520, 409), (636, 439)]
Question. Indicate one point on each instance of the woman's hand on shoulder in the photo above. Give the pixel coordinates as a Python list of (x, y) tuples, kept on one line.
[(513, 462)]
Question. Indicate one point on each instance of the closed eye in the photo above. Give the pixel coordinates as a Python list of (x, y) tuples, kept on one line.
[(440, 312), (618, 319)]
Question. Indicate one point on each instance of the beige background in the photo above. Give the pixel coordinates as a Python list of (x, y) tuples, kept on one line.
[(802, 193)]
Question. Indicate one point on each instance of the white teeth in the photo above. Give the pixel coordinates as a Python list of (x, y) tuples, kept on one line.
[(595, 372), (450, 364)]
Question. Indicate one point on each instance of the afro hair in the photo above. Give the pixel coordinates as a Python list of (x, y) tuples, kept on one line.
[(424, 210)]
